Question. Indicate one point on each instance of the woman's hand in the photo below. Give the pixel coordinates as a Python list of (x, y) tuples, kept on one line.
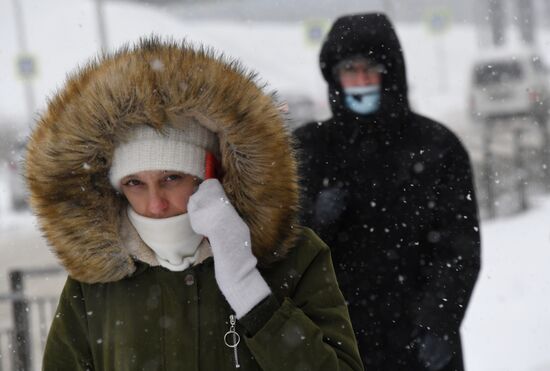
[(212, 215)]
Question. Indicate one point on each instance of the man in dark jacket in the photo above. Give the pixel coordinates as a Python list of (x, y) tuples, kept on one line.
[(391, 193)]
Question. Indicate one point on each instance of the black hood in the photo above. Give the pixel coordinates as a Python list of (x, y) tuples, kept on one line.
[(372, 36)]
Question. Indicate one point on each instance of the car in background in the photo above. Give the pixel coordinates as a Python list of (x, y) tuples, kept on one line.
[(510, 84)]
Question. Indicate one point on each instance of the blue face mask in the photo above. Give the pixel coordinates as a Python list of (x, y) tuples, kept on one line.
[(363, 99)]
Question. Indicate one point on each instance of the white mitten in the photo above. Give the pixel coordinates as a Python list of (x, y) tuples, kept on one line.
[(212, 215)]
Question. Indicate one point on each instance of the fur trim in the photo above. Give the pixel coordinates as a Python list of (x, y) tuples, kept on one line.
[(154, 83)]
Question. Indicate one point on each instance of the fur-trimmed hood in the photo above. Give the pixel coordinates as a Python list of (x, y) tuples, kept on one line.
[(70, 150)]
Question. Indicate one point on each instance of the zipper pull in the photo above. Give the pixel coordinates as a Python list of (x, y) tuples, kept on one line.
[(232, 339)]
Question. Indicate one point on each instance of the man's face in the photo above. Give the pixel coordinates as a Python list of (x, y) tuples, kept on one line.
[(358, 72)]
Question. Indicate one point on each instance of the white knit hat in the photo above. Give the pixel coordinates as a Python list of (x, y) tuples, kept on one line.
[(172, 149)]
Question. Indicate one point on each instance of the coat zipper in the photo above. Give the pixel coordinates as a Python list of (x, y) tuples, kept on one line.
[(232, 339)]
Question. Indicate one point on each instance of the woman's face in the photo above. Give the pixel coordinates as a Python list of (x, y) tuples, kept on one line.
[(159, 194)]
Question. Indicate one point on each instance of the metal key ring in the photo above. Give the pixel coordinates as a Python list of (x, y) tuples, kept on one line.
[(236, 339)]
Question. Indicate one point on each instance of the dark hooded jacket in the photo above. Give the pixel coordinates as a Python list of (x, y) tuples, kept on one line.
[(119, 309), (392, 194)]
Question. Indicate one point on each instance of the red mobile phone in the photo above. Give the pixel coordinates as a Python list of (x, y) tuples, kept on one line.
[(212, 167)]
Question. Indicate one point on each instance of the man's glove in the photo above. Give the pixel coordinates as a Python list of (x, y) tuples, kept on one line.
[(212, 215), (329, 205), (433, 352)]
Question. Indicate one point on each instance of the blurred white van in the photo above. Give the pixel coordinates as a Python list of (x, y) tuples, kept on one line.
[(510, 84)]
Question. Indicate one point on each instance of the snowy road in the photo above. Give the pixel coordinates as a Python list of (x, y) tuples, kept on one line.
[(507, 326)]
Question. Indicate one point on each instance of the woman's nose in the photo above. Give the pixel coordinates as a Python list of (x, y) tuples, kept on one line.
[(158, 204)]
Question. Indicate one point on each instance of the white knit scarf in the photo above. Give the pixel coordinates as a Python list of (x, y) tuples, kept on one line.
[(172, 239)]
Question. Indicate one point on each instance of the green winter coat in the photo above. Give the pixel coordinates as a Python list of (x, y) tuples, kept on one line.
[(163, 320), (119, 309)]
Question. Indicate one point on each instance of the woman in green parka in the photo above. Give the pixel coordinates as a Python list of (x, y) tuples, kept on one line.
[(164, 180)]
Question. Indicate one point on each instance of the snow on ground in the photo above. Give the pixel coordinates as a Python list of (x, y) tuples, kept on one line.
[(507, 327)]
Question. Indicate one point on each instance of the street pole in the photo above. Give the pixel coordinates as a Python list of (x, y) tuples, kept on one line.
[(21, 360), (545, 153), (23, 50), (488, 172), (497, 21), (521, 169), (526, 21), (102, 29), (442, 64), (388, 8)]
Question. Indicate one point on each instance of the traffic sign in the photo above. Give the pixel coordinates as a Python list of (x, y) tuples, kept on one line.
[(26, 66), (315, 30), (438, 20)]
